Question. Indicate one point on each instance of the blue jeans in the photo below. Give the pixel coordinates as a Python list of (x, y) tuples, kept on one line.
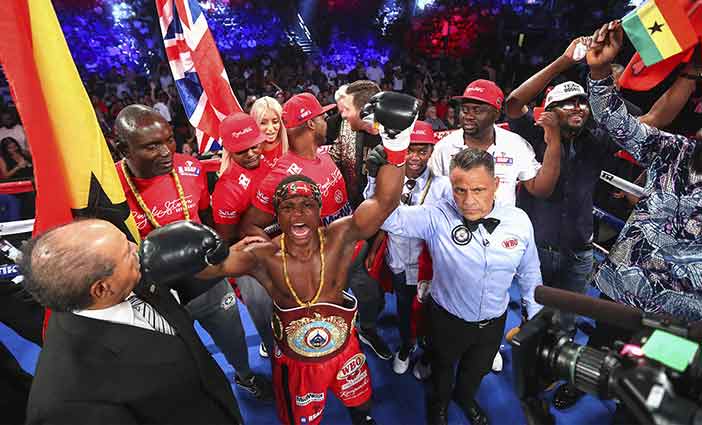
[(218, 312), (404, 294), (260, 307), (568, 270)]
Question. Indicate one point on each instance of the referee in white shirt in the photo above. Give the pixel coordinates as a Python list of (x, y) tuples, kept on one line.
[(478, 247), (402, 257), (515, 160)]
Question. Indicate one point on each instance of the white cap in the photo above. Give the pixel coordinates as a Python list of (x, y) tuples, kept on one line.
[(564, 91)]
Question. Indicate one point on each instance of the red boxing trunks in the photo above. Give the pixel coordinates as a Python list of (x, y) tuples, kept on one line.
[(317, 350), (300, 387)]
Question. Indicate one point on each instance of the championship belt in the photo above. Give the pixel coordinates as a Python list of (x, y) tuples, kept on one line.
[(315, 333)]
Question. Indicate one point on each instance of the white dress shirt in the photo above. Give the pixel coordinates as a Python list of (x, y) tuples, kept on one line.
[(121, 313), (515, 160), (473, 271), (403, 252)]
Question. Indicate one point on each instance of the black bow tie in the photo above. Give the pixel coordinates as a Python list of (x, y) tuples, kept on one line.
[(489, 223)]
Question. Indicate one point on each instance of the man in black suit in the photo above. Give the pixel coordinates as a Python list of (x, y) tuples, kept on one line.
[(116, 351)]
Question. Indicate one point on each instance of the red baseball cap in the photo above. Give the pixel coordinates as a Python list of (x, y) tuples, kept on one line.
[(239, 132), (483, 91), (301, 108), (422, 134)]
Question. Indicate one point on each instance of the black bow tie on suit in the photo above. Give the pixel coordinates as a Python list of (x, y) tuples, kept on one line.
[(489, 223)]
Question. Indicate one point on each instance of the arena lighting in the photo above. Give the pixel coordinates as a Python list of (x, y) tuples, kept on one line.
[(388, 14), (122, 11), (421, 4)]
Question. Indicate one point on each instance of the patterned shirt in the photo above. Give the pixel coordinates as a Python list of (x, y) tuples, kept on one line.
[(656, 263)]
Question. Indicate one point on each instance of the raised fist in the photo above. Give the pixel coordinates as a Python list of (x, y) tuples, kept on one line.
[(394, 114)]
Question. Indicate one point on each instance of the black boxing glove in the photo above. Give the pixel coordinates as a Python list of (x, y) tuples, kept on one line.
[(179, 250), (394, 114)]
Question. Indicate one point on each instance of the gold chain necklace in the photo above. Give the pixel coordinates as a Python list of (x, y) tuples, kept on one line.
[(141, 202), (321, 273)]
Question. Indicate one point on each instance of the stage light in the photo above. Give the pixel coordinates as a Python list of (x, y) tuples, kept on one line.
[(122, 11), (388, 14), (421, 4)]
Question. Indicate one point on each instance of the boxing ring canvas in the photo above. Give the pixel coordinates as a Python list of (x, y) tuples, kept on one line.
[(398, 399)]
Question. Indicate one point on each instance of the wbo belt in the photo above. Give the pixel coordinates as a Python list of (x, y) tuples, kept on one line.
[(316, 333)]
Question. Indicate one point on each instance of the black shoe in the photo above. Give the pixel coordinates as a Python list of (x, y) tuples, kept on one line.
[(371, 338), (361, 416), (566, 396), (474, 413), (365, 420), (437, 413), (258, 386)]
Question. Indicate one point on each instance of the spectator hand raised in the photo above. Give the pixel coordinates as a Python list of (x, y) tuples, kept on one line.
[(604, 48)]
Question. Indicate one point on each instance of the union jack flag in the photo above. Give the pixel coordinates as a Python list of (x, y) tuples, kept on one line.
[(198, 72)]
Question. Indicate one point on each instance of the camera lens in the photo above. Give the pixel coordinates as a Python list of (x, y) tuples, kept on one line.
[(582, 366)]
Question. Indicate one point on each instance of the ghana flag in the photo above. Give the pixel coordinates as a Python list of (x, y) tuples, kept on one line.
[(74, 172), (659, 29)]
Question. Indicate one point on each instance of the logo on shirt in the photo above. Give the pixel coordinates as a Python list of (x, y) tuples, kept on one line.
[(338, 196), (244, 181), (304, 400), (189, 169), (169, 209), (461, 235), (329, 183), (227, 213), (294, 169), (504, 159), (510, 243), (262, 198)]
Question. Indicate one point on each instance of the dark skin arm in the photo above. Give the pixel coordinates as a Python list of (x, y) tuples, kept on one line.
[(228, 232), (515, 105), (372, 212), (245, 257), (669, 105), (545, 181), (254, 221), (606, 44)]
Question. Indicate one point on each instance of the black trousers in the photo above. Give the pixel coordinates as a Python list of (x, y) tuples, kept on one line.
[(404, 294), (472, 345)]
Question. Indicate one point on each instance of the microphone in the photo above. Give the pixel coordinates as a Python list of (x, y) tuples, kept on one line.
[(619, 315), (486, 242), (616, 314)]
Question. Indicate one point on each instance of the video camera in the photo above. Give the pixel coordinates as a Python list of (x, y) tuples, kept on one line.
[(651, 390)]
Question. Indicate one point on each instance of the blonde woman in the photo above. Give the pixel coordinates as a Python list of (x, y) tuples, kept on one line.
[(268, 114)]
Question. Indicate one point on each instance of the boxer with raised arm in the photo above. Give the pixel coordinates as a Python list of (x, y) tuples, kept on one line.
[(305, 272)]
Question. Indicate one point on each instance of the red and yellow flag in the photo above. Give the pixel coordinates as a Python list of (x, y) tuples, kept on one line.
[(659, 29), (74, 172), (637, 76)]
